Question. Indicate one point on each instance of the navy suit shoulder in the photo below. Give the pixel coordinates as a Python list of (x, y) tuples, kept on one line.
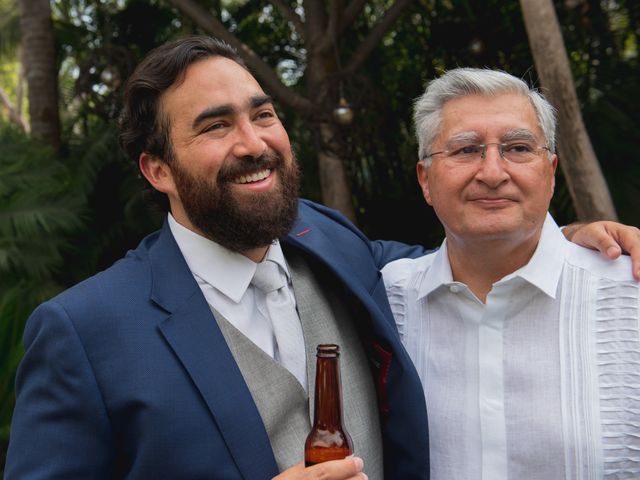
[(382, 251), (126, 375)]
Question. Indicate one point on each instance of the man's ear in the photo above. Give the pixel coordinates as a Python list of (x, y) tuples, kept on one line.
[(423, 179), (157, 172)]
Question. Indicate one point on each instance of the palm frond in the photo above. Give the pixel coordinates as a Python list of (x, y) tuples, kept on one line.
[(9, 28)]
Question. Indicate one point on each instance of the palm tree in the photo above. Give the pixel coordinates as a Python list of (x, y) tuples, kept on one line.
[(41, 70)]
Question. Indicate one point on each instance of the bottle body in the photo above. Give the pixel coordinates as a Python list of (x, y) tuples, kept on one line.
[(328, 439)]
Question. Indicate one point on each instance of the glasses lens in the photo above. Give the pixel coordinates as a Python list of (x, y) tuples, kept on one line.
[(520, 152)]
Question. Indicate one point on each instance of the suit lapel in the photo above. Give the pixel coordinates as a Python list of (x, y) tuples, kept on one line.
[(194, 336), (312, 240), (335, 255)]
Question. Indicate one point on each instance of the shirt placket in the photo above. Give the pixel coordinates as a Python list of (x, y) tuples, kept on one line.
[(491, 385)]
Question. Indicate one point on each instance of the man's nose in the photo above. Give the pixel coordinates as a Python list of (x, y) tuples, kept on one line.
[(248, 142), (492, 169)]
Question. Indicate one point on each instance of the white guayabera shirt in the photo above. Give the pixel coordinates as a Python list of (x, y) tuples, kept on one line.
[(542, 381)]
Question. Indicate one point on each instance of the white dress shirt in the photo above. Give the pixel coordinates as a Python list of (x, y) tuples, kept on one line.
[(225, 280), (540, 383)]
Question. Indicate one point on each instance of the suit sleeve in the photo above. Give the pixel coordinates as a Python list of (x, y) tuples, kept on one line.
[(60, 427), (385, 251)]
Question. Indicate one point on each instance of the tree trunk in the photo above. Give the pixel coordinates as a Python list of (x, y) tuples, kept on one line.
[(41, 72), (582, 172), (334, 183)]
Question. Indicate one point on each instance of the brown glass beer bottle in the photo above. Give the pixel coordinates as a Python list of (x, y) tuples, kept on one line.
[(328, 439)]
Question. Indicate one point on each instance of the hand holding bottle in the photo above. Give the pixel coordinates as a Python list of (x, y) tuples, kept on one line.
[(349, 468)]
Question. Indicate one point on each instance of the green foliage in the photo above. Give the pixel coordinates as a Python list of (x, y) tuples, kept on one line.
[(602, 39), (61, 220), (9, 77), (9, 30), (117, 216), (100, 44), (37, 213)]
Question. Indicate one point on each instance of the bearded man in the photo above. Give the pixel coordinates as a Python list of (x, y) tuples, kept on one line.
[(193, 357)]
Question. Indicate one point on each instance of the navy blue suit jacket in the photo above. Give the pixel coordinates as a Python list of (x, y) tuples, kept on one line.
[(127, 375)]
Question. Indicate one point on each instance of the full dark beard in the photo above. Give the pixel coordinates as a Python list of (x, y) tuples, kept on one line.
[(241, 222)]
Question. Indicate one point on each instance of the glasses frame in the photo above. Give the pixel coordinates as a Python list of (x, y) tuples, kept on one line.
[(483, 153)]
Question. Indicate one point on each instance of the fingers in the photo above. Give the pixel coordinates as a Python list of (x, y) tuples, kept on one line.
[(594, 235), (570, 230), (611, 239), (348, 469), (629, 240), (613, 251)]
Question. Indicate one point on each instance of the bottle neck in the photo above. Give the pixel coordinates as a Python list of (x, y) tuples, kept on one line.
[(328, 399)]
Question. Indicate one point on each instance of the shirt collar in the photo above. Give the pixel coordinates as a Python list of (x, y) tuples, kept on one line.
[(545, 267), (438, 275), (228, 272), (542, 271)]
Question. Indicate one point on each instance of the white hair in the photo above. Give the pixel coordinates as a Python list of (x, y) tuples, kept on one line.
[(459, 82)]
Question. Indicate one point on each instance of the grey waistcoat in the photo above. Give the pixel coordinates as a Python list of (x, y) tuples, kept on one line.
[(285, 408)]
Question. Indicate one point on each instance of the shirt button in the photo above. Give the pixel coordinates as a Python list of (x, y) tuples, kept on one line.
[(454, 288)]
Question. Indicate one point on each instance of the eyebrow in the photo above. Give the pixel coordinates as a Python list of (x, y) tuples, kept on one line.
[(228, 109), (462, 137), (519, 134), (259, 100)]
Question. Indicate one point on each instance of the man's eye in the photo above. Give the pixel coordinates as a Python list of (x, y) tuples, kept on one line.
[(213, 126), (265, 115), (518, 148), (466, 150)]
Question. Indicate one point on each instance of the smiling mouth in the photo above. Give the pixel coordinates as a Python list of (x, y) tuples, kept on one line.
[(254, 177), (493, 203)]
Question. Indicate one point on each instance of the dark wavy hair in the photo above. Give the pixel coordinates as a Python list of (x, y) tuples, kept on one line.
[(142, 126)]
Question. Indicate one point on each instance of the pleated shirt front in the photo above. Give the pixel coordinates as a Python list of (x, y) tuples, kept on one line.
[(540, 382)]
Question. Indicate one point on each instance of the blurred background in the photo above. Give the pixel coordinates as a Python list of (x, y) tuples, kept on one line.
[(344, 74)]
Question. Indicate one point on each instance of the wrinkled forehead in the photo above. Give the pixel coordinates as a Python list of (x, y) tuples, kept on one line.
[(209, 83), (488, 117)]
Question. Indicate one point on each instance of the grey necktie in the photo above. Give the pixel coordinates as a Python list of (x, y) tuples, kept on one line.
[(284, 318)]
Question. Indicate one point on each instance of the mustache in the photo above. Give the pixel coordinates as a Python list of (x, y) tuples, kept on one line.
[(248, 165)]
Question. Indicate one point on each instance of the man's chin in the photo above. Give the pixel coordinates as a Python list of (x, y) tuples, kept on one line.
[(251, 220), (250, 202), (505, 229)]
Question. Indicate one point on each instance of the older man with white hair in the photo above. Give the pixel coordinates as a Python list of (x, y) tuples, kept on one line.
[(528, 346)]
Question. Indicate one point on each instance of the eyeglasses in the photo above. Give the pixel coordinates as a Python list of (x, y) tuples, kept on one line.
[(514, 152)]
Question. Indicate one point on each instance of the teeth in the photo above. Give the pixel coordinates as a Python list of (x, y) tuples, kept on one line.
[(253, 178)]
